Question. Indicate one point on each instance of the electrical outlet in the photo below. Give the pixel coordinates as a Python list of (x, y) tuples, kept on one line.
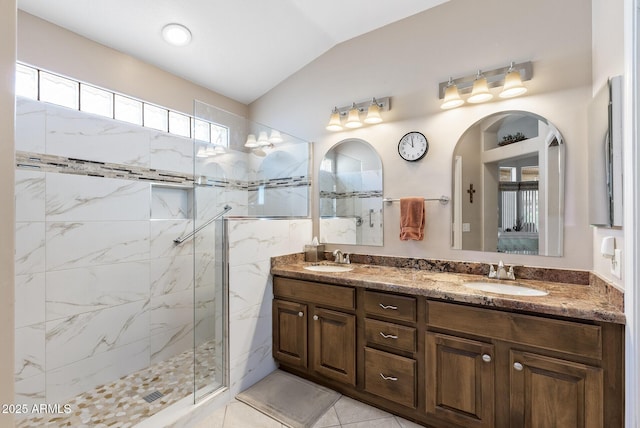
[(466, 227), (616, 264)]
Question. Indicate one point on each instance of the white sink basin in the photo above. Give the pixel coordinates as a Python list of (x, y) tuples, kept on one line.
[(328, 268), (501, 288)]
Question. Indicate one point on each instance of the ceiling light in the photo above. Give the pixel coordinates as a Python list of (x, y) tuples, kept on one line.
[(451, 96), (373, 113), (176, 34), (512, 84), (480, 92)]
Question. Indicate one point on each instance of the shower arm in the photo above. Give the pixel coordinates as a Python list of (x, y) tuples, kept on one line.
[(181, 239)]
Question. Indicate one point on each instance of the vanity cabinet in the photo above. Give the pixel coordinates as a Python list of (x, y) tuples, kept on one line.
[(450, 365), (460, 380), (313, 329), (492, 368), (390, 366)]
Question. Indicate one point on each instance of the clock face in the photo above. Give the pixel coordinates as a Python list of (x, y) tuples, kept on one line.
[(413, 146)]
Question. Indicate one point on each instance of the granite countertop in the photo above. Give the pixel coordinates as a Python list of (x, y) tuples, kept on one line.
[(582, 301)]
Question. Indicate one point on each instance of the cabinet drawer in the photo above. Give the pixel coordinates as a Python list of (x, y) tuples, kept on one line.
[(557, 335), (390, 305), (390, 376), (389, 334), (314, 292)]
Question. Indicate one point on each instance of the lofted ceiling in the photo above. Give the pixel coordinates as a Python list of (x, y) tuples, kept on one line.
[(240, 48)]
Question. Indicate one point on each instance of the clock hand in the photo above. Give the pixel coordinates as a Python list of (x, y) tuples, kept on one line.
[(412, 141)]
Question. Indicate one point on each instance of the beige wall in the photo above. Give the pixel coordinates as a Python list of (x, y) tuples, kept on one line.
[(53, 48), (406, 60), (7, 225)]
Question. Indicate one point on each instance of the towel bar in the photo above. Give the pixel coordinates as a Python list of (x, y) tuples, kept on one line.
[(444, 200)]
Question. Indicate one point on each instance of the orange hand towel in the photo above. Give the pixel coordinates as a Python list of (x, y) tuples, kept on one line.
[(412, 219)]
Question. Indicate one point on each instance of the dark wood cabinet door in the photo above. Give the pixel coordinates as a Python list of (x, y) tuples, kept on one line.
[(548, 392), (290, 333), (334, 345), (460, 381)]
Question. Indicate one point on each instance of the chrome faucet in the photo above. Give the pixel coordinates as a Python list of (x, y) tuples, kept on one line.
[(341, 258), (501, 272)]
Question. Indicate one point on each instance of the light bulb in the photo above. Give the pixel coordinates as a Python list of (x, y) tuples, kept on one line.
[(480, 92), (451, 96), (334, 121), (512, 84), (373, 113)]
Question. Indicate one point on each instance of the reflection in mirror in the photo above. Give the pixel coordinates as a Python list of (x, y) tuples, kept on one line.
[(508, 186), (350, 183)]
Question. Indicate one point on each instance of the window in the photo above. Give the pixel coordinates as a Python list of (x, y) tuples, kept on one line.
[(96, 101), (128, 110), (156, 117), (44, 86), (26, 82), (59, 90)]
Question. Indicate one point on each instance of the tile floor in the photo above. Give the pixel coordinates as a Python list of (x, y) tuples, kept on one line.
[(346, 413)]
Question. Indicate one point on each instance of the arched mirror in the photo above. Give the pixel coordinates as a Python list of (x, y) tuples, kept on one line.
[(350, 183), (508, 186)]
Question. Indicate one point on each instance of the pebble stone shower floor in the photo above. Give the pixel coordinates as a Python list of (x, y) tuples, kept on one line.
[(121, 404)]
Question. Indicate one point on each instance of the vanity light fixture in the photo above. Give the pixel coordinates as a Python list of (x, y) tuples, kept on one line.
[(372, 109), (176, 34), (251, 143), (480, 84), (512, 84), (262, 139), (373, 113), (480, 92), (353, 119), (275, 137), (451, 96)]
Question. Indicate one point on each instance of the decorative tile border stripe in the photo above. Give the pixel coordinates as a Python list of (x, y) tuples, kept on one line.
[(65, 165), (346, 195), (273, 183)]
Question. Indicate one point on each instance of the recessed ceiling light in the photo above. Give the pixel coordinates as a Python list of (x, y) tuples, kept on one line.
[(176, 34)]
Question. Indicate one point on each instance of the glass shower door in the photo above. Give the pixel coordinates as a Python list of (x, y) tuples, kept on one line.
[(210, 258)]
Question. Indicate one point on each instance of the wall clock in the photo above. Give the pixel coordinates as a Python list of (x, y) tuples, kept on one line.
[(413, 146)]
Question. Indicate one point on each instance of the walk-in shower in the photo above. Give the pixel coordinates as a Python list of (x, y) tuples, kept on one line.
[(113, 317)]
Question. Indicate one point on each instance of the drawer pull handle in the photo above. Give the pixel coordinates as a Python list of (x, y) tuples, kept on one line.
[(388, 336), (518, 366), (486, 358), (388, 377), (315, 318), (300, 314), (394, 308)]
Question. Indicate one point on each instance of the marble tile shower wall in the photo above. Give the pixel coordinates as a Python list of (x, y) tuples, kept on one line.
[(101, 290)]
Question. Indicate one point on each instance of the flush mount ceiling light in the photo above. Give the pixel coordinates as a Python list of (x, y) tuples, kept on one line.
[(176, 34), (372, 109), (481, 83)]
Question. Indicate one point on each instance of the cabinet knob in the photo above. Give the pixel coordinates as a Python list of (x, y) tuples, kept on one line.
[(388, 336), (486, 358), (315, 318), (393, 308), (518, 366), (300, 314), (388, 377)]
